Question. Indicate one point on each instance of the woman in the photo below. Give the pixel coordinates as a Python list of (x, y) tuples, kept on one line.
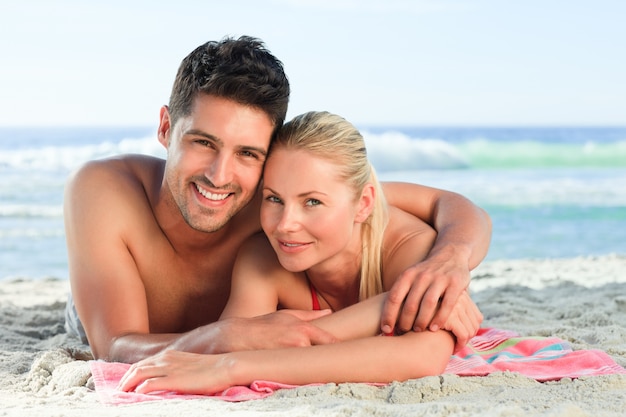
[(329, 242)]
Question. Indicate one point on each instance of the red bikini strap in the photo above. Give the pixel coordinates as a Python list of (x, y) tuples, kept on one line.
[(316, 302)]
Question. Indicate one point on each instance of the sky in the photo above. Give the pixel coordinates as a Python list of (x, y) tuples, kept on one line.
[(377, 63)]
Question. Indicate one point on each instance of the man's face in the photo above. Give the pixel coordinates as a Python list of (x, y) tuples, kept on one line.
[(215, 159)]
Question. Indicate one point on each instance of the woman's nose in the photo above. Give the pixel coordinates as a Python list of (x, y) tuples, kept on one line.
[(289, 219)]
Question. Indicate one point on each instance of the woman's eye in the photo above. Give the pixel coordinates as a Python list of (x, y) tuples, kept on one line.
[(313, 202), (272, 199)]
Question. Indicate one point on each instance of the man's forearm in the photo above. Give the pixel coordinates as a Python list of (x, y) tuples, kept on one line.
[(463, 229), (132, 348)]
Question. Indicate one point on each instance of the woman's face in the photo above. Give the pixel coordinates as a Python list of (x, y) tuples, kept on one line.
[(308, 213)]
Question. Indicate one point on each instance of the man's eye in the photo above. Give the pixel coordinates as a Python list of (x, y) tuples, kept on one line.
[(249, 154), (203, 142)]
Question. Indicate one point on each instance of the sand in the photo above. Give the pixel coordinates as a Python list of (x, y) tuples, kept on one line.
[(581, 300)]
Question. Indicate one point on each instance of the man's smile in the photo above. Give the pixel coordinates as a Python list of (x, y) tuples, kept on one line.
[(211, 196)]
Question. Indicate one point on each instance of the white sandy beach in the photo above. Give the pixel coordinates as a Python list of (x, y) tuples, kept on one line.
[(581, 300)]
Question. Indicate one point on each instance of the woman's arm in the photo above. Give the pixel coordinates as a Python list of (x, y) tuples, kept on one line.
[(372, 359), (254, 293), (258, 278), (254, 279)]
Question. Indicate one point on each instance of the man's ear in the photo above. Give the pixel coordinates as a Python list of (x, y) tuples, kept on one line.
[(366, 203), (164, 126)]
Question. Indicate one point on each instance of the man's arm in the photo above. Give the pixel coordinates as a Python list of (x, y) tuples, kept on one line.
[(424, 295), (106, 286), (270, 331)]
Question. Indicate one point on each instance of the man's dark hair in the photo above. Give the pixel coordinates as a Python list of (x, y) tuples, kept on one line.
[(242, 70)]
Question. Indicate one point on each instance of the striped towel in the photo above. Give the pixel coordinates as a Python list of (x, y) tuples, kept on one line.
[(492, 350), (540, 358)]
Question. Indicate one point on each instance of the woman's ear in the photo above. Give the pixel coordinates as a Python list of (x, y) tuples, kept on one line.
[(164, 127), (366, 203)]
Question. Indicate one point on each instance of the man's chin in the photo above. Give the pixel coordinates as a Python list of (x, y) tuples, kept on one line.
[(210, 227)]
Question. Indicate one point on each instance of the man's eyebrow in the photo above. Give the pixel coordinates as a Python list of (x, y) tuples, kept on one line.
[(206, 135), (214, 138), (256, 149)]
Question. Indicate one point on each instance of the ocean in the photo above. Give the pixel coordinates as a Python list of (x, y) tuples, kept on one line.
[(551, 192)]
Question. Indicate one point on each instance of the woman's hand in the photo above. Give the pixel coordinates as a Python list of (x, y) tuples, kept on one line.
[(183, 372), (464, 321)]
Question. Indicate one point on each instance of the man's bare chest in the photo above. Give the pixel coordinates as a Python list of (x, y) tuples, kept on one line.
[(185, 293)]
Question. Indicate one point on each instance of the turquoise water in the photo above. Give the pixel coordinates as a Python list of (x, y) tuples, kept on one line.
[(551, 192)]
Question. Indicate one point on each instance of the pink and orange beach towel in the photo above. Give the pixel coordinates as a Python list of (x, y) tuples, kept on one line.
[(491, 350)]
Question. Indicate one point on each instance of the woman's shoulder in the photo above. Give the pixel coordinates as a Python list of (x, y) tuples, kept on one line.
[(257, 248), (402, 226), (258, 262), (406, 241), (257, 258)]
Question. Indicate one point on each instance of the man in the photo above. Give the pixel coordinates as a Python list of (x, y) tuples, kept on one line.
[(152, 242)]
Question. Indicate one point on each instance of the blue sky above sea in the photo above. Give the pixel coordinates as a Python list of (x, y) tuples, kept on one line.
[(383, 63)]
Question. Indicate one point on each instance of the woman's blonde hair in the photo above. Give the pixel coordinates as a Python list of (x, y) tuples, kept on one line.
[(331, 137)]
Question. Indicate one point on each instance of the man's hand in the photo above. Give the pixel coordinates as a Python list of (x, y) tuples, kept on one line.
[(425, 294), (463, 237), (284, 328)]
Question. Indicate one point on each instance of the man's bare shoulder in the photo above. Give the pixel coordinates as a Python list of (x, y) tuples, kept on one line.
[(124, 167), (119, 188)]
